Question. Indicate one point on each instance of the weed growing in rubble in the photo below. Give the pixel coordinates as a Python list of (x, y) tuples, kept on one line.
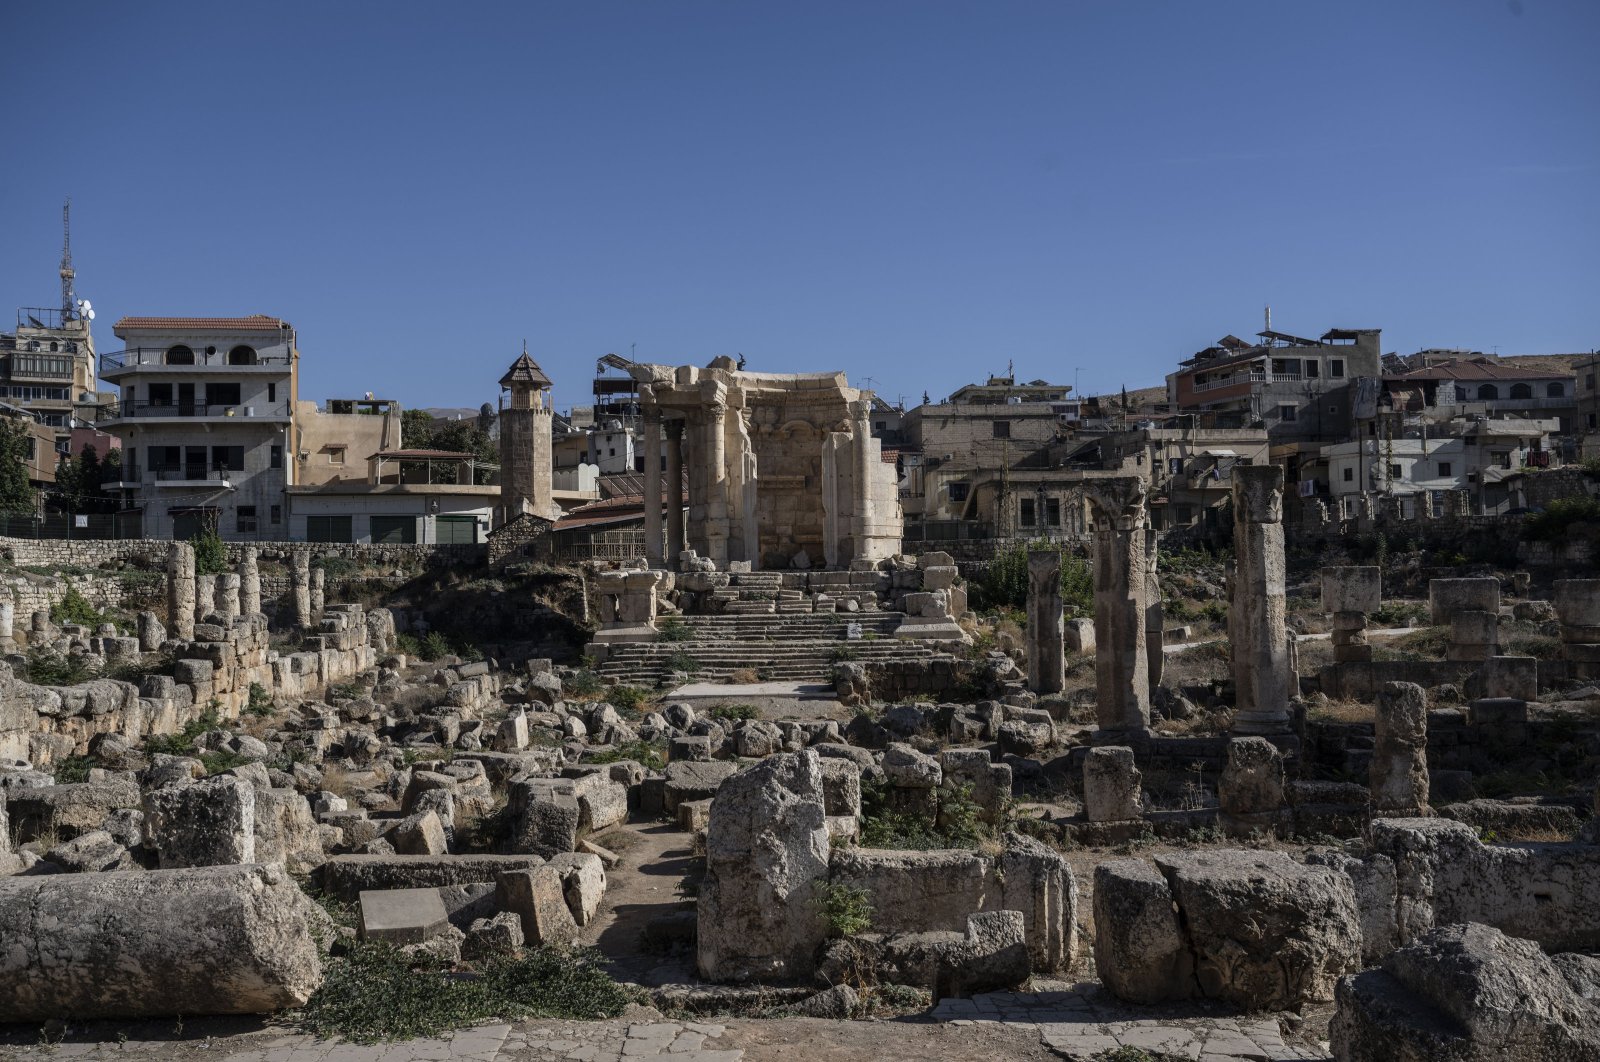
[(628, 698), (650, 756), (846, 909), (376, 992), (46, 667), (673, 629), (683, 662), (260, 702), (182, 743), (732, 713)]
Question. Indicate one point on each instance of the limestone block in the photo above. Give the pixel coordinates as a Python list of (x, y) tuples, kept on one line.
[(402, 916), (1140, 951), (940, 577), (1464, 993), (538, 896), (286, 831), (1577, 602), (206, 823), (421, 834), (841, 786), (1446, 597), (1514, 677), (1252, 780), (1080, 635), (141, 944), (694, 781), (767, 855), (1352, 589), (1266, 932), (1111, 785), (583, 878), (906, 768), (1398, 775)]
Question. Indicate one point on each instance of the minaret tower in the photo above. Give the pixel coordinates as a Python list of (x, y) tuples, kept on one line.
[(526, 464)]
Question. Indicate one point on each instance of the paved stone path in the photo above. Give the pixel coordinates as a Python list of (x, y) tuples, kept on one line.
[(1079, 1021)]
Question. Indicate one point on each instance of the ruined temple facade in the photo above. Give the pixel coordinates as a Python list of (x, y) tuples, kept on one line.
[(782, 468)]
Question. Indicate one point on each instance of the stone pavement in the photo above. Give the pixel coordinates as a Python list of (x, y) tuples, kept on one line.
[(1079, 1021)]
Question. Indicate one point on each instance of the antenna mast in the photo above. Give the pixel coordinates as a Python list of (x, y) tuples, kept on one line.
[(69, 303)]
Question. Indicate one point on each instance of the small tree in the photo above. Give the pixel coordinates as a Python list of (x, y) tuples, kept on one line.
[(210, 555), (17, 495)]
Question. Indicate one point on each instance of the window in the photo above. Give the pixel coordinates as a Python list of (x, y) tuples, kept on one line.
[(1395, 471), (455, 530), (227, 458), (1349, 475), (958, 492), (1521, 391), (1052, 511), (394, 530), (1500, 458), (276, 460), (246, 519), (336, 455), (277, 514), (1313, 368), (1026, 512), (272, 392), (1588, 382), (1336, 368), (1444, 468), (1488, 393), (242, 355), (1555, 390), (327, 529), (1288, 412), (180, 355), (222, 394), (1002, 429), (1175, 466), (158, 394), (1593, 420)]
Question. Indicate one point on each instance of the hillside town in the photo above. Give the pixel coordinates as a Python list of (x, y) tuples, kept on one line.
[(1253, 715)]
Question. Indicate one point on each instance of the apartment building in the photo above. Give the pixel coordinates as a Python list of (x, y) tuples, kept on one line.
[(206, 420), (47, 368)]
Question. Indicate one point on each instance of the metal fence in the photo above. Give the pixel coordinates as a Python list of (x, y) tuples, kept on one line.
[(93, 525), (601, 545)]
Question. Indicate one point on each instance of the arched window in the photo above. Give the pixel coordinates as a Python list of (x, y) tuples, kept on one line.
[(1488, 393), (242, 355), (1521, 391), (1556, 390), (180, 355)]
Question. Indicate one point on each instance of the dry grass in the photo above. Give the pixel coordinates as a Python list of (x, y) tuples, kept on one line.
[(743, 676), (1344, 711), (1201, 724)]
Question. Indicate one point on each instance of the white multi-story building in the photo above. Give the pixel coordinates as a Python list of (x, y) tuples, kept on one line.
[(206, 421)]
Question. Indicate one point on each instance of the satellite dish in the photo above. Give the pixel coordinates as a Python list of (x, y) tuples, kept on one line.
[(89, 314), (85, 305)]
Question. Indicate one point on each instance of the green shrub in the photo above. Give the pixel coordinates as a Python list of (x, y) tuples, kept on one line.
[(375, 992), (843, 654), (628, 698), (673, 629), (182, 743), (260, 702), (1552, 524), (210, 554), (407, 644), (733, 713), (1004, 583), (651, 756), (846, 909), (73, 769), (46, 667), (681, 661), (75, 608), (433, 646), (583, 683)]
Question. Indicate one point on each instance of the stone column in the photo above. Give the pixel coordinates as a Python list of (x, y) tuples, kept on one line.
[(861, 490), (205, 595), (1046, 672), (1112, 785), (1399, 773), (1261, 665), (180, 590), (319, 591), (249, 581), (1349, 593), (674, 492), (1577, 605), (228, 597), (300, 588), (1122, 675), (1154, 617), (8, 616), (652, 487), (716, 457)]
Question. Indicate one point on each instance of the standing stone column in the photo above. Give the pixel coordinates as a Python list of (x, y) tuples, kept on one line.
[(652, 487), (1122, 669), (180, 590), (1154, 616), (205, 596), (861, 478), (319, 591), (1399, 773), (1349, 593), (300, 588), (716, 458), (228, 597), (249, 581), (1046, 667), (8, 616), (674, 492), (1261, 664), (1577, 605)]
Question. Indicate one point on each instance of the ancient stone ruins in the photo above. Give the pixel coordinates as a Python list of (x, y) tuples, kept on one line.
[(783, 767)]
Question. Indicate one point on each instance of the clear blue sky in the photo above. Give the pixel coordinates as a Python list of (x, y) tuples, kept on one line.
[(912, 192)]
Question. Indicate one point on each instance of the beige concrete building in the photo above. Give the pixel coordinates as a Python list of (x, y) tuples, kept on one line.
[(335, 441), (1188, 471), (783, 469)]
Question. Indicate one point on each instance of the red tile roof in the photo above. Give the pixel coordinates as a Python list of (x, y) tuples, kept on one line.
[(257, 322)]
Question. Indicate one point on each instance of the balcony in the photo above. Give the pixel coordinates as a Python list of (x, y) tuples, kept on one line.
[(175, 476), (1249, 378), (196, 410), (154, 358)]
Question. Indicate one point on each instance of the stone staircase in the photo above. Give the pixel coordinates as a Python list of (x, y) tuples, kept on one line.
[(784, 647)]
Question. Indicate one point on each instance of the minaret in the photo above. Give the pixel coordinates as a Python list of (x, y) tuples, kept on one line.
[(526, 464)]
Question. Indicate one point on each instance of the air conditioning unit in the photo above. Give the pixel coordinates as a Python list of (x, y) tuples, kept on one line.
[(249, 411)]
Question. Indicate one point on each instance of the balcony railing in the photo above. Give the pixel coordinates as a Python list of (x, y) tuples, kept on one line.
[(156, 357), (201, 409), (192, 474), (1249, 378)]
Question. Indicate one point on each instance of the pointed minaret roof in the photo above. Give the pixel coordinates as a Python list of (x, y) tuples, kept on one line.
[(525, 371)]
